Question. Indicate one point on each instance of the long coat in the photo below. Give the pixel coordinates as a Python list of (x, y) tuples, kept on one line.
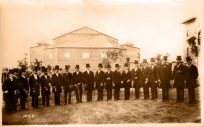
[(67, 81), (144, 75), (126, 78), (8, 88), (45, 87), (34, 85), (88, 79), (179, 75), (77, 78), (100, 79), (117, 78), (153, 74), (108, 80), (57, 82), (136, 77), (191, 76), (165, 75), (23, 86)]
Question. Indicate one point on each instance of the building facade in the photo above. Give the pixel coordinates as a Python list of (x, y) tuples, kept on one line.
[(81, 46)]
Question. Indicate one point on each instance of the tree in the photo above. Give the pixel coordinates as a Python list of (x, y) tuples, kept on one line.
[(23, 64), (113, 56)]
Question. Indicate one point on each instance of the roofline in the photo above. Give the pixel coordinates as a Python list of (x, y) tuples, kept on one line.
[(190, 20), (131, 46), (81, 28), (88, 47)]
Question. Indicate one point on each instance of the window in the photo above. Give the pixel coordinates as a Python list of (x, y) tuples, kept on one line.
[(67, 55), (103, 55), (85, 55)]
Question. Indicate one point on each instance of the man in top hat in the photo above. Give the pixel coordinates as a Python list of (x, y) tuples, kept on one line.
[(108, 82), (67, 82), (191, 76), (100, 79), (144, 78), (135, 78), (16, 91), (88, 80), (126, 80), (153, 79), (116, 81), (23, 88), (178, 77), (57, 82), (4, 76), (45, 87), (77, 81), (165, 75), (34, 82), (8, 88)]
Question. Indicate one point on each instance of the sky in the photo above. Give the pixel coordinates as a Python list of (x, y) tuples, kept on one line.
[(152, 25)]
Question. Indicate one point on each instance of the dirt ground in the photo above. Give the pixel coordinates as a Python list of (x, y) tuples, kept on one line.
[(110, 112)]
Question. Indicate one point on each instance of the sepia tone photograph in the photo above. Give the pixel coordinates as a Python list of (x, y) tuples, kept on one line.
[(102, 62)]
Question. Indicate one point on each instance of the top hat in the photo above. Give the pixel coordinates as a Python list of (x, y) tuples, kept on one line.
[(108, 66), (67, 67), (44, 70), (126, 65), (135, 62), (178, 58), (77, 66), (144, 61), (116, 65), (11, 71), (152, 60), (35, 68), (87, 65), (56, 67), (188, 58), (100, 65), (165, 58)]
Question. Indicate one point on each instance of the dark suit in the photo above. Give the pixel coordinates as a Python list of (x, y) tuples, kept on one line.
[(57, 82), (16, 92), (153, 78), (179, 74), (100, 79), (23, 89), (34, 90), (8, 88), (126, 78), (109, 85), (145, 85), (136, 76), (77, 81), (45, 89), (117, 77), (67, 82), (191, 76), (165, 75), (88, 80)]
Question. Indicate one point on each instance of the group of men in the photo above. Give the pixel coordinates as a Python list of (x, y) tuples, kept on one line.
[(147, 76)]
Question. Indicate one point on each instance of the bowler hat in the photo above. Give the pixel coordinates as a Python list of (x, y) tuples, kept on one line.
[(165, 58), (67, 67), (116, 65), (152, 60), (56, 67), (87, 65), (188, 58), (100, 65), (135, 62), (144, 61), (178, 58), (77, 66)]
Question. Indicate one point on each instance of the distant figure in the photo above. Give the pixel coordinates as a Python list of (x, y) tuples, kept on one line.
[(179, 73), (144, 79), (117, 78), (126, 81), (100, 79), (67, 82), (191, 76), (108, 82), (88, 80), (135, 77)]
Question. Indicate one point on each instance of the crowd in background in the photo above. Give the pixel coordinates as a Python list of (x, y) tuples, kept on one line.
[(18, 84)]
